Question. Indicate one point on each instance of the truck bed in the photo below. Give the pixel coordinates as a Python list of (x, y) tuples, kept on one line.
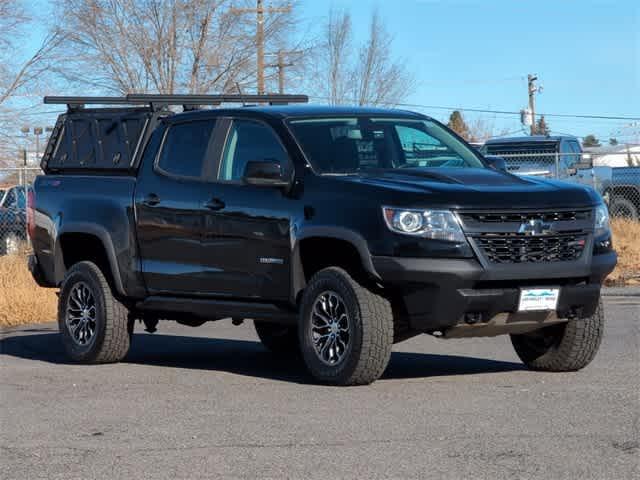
[(107, 200)]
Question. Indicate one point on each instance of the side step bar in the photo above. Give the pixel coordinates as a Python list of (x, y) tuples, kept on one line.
[(214, 309)]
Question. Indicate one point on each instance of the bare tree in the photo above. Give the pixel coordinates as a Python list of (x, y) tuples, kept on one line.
[(22, 72), (333, 75), (365, 75), (165, 46), (14, 20), (378, 78), (482, 129)]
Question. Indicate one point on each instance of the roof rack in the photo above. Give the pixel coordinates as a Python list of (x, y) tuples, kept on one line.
[(188, 102)]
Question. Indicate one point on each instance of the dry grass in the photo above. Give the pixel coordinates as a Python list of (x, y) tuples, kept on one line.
[(21, 300), (626, 241)]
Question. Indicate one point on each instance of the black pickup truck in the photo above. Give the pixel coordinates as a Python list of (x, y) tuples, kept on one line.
[(338, 231)]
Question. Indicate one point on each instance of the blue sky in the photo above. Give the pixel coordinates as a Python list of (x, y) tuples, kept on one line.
[(476, 54)]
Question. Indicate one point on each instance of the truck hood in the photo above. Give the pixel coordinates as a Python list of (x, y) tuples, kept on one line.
[(474, 188)]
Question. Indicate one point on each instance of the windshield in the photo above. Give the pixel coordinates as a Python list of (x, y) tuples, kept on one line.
[(353, 144)]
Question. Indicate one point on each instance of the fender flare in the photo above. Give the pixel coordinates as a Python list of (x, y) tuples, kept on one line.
[(103, 236), (298, 281)]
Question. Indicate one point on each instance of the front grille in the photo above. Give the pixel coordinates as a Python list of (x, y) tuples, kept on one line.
[(518, 248), (550, 216)]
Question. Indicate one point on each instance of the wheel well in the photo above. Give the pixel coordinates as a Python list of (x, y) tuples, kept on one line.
[(317, 253), (79, 247)]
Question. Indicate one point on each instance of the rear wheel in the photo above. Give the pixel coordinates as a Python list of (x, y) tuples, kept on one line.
[(624, 208), (564, 347), (94, 325), (346, 330), (279, 339)]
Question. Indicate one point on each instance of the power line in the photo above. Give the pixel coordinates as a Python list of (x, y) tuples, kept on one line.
[(501, 112)]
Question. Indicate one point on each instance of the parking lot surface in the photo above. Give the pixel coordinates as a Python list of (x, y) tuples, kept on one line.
[(210, 402)]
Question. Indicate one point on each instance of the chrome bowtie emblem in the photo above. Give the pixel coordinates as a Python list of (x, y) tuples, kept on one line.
[(535, 227)]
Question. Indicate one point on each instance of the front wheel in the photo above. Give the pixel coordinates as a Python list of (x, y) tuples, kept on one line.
[(564, 347), (345, 330), (94, 325)]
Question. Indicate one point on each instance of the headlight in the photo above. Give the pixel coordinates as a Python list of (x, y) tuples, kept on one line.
[(602, 221), (433, 224)]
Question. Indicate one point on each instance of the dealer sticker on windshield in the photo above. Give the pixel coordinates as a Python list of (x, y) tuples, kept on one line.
[(532, 299)]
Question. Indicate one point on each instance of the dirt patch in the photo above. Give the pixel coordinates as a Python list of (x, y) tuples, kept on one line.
[(626, 241), (21, 300)]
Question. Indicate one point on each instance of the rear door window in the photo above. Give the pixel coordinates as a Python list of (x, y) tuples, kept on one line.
[(185, 149)]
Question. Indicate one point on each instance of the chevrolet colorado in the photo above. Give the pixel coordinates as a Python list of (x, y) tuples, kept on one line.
[(339, 231)]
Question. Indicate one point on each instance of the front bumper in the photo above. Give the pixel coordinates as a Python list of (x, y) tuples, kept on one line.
[(435, 294)]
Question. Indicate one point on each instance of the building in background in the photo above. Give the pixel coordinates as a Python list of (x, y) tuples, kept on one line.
[(615, 155)]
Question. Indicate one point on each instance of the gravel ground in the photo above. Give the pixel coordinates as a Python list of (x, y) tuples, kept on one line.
[(210, 402)]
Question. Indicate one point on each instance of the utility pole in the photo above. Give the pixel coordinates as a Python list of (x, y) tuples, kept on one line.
[(281, 64), (260, 11), (37, 131), (533, 89)]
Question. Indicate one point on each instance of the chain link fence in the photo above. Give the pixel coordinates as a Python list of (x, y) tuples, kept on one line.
[(15, 183), (615, 176)]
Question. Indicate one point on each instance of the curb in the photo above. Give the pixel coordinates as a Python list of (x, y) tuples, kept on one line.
[(620, 291)]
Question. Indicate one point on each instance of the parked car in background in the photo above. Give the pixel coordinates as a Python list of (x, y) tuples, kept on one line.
[(13, 206), (562, 157), (619, 186), (537, 155)]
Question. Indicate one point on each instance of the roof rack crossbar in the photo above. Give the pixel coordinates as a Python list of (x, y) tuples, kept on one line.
[(87, 100), (159, 100)]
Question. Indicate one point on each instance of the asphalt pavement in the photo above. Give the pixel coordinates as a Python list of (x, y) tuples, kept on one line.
[(210, 402)]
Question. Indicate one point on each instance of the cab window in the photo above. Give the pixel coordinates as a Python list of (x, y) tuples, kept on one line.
[(249, 141)]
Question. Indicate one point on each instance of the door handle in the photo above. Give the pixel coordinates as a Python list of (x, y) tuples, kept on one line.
[(215, 204), (151, 200)]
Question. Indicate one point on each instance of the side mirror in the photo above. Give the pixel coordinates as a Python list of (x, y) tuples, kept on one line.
[(571, 171), (496, 162), (586, 161), (266, 173)]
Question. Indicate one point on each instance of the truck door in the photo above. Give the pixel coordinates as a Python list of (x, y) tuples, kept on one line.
[(246, 241), (170, 192)]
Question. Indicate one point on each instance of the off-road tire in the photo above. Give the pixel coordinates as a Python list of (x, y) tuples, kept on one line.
[(112, 337), (278, 339), (624, 208), (565, 347), (371, 337)]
